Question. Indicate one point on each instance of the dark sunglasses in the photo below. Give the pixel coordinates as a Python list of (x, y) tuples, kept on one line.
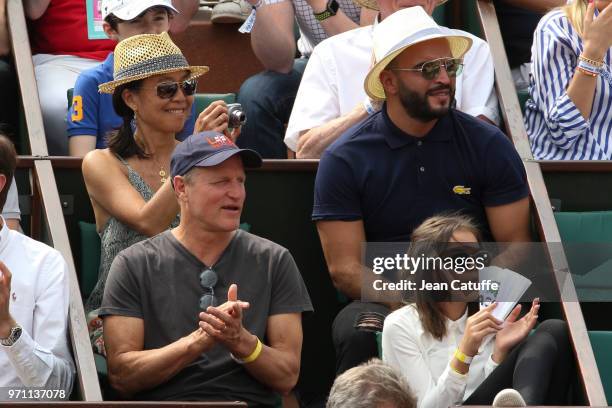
[(167, 90), (208, 280), (431, 69)]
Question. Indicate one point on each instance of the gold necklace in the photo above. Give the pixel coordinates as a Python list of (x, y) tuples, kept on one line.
[(162, 171), (163, 176)]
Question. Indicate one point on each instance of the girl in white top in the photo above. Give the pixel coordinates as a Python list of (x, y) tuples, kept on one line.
[(453, 354)]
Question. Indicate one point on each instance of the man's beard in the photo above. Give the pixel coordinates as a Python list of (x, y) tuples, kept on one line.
[(418, 107)]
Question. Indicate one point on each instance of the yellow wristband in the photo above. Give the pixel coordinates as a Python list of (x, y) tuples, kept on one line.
[(251, 357), (465, 359)]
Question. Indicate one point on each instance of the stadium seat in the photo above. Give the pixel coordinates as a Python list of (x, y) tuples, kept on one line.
[(102, 370), (595, 226), (587, 238), (203, 100), (439, 15), (601, 341), (90, 257), (470, 19)]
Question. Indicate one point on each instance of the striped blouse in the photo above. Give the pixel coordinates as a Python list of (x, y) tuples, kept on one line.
[(556, 128)]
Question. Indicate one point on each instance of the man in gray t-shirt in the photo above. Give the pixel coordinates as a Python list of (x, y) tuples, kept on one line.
[(165, 335)]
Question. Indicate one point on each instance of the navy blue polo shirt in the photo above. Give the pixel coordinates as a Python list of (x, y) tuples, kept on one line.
[(393, 181)]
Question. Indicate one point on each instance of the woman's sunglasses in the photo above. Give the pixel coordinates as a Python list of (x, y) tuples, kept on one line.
[(431, 69), (167, 90)]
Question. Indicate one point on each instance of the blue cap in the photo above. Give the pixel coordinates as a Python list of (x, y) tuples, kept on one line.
[(206, 149)]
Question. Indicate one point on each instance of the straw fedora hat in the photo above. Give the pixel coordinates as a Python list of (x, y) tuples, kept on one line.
[(393, 35), (373, 4), (146, 55)]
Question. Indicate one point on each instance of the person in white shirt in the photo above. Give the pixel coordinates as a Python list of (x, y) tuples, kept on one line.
[(34, 297), (451, 353), (331, 96)]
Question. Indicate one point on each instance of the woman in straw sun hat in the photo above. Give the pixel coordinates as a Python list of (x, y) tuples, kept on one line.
[(128, 182)]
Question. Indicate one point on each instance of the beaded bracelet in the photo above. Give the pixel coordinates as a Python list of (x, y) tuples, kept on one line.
[(587, 72), (588, 66)]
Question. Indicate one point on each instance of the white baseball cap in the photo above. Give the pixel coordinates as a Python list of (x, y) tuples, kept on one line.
[(130, 9)]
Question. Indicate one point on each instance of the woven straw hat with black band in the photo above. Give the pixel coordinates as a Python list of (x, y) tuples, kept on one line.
[(146, 55), (373, 4)]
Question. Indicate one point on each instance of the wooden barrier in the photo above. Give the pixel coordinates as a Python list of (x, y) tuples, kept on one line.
[(542, 209), (47, 199)]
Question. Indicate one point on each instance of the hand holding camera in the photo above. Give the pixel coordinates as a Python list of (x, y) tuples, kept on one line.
[(221, 117)]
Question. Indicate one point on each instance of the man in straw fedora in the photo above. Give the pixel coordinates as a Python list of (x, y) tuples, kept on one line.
[(415, 158), (331, 99)]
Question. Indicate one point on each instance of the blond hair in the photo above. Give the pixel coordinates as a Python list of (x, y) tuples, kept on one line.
[(369, 385), (575, 13)]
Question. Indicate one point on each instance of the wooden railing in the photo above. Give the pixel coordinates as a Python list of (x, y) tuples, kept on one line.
[(513, 119), (43, 181)]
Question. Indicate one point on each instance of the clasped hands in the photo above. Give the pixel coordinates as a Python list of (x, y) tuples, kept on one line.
[(223, 324)]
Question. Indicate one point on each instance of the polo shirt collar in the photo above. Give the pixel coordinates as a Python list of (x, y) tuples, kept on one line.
[(397, 138), (4, 235)]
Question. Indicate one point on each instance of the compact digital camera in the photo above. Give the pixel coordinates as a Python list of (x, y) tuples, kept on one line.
[(236, 115)]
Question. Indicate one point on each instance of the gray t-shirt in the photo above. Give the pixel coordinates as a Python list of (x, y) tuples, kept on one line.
[(157, 280)]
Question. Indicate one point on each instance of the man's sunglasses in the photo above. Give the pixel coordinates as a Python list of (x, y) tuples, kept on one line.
[(208, 280), (167, 90), (431, 69)]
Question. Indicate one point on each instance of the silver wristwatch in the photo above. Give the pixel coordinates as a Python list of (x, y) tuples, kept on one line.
[(13, 336)]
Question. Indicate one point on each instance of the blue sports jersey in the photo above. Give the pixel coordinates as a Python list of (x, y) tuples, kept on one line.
[(92, 113)]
